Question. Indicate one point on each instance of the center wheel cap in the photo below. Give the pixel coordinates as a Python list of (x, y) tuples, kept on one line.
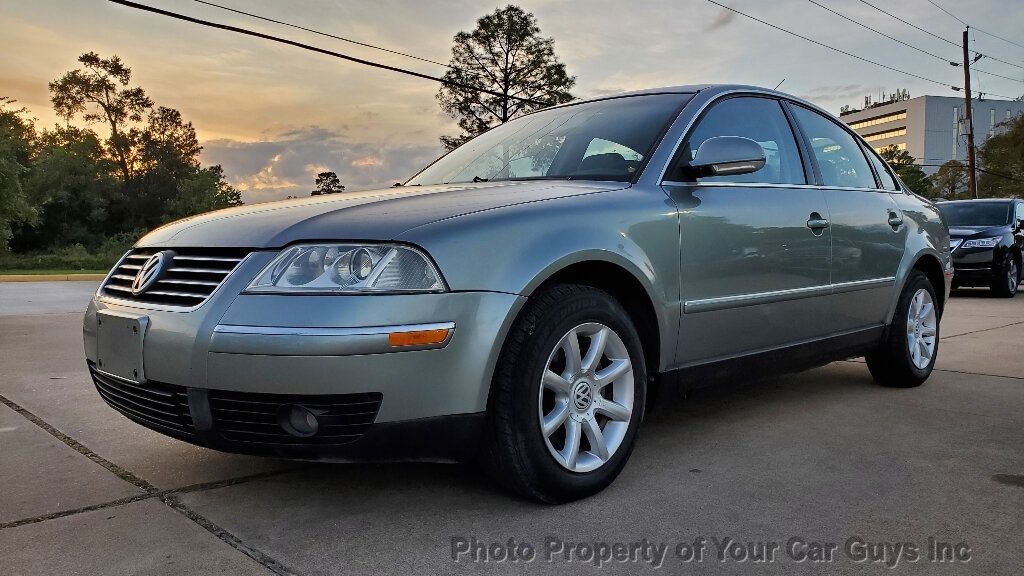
[(582, 396)]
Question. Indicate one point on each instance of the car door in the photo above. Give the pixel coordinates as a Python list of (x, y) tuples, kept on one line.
[(754, 248), (868, 234)]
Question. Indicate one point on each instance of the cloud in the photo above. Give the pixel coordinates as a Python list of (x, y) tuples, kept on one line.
[(724, 18), (286, 165)]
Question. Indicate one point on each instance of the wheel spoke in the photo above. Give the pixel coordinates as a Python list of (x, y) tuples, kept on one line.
[(613, 410), (596, 350), (572, 443), (571, 347), (915, 352), (925, 311), (554, 420), (613, 372), (925, 354), (596, 438), (927, 331), (554, 381)]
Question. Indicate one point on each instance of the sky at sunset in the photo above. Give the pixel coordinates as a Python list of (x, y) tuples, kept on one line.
[(275, 115)]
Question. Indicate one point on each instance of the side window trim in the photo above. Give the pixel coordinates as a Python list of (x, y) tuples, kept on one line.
[(874, 167), (811, 172)]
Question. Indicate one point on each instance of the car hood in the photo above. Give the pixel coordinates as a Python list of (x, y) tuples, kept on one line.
[(372, 215), (980, 231)]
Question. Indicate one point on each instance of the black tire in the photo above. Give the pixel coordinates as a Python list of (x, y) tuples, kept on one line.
[(891, 363), (1004, 285), (515, 453)]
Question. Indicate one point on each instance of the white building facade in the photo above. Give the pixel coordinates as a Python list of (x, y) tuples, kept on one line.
[(931, 128)]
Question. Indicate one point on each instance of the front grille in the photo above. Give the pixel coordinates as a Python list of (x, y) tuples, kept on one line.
[(190, 277), (152, 404), (248, 417)]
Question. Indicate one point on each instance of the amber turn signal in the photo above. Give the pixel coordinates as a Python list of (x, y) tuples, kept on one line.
[(418, 338)]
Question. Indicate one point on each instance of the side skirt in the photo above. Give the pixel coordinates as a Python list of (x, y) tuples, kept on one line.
[(774, 362)]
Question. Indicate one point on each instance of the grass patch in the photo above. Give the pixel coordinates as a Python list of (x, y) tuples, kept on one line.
[(51, 271)]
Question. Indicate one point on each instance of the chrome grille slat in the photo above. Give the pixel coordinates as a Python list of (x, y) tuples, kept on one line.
[(191, 276)]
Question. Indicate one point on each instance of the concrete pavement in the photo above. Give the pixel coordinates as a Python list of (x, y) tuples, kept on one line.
[(825, 456)]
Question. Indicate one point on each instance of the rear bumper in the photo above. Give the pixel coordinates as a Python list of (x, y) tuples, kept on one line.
[(249, 423)]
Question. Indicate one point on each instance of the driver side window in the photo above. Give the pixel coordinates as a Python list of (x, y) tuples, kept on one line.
[(761, 120)]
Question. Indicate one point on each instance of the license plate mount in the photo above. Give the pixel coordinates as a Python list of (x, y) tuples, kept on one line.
[(119, 341)]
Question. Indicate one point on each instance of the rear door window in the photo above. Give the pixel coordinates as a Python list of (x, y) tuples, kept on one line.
[(839, 157)]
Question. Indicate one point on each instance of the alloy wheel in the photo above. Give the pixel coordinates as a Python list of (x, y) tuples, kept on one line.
[(922, 328), (585, 400), (1012, 278)]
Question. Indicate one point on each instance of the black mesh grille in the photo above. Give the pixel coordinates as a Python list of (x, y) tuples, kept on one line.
[(160, 406), (248, 417), (192, 275)]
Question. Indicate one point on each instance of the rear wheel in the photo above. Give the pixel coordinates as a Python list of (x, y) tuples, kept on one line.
[(1006, 281), (568, 396), (907, 355)]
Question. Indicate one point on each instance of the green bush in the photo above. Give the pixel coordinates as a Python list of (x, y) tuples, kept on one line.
[(74, 257)]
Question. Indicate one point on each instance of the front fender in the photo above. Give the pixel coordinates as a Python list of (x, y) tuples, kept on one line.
[(518, 248)]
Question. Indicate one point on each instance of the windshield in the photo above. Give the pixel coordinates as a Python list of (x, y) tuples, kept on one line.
[(604, 140), (976, 213)]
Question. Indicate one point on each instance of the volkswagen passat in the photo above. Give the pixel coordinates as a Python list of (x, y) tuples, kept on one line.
[(519, 300)]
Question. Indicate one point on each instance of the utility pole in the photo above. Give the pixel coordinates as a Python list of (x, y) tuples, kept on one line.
[(972, 182)]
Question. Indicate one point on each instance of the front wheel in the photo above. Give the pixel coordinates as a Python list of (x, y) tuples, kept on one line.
[(907, 355), (1005, 283), (568, 396)]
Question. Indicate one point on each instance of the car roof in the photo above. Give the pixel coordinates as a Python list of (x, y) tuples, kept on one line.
[(711, 89)]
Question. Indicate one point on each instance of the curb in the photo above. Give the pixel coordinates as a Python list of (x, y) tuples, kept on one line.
[(50, 277)]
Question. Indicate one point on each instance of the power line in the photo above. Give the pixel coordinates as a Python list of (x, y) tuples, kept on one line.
[(312, 31), (946, 40), (834, 49), (247, 32), (843, 52), (948, 13), (957, 18), (893, 38)]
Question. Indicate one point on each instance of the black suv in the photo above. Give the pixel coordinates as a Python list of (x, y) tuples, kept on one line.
[(986, 237)]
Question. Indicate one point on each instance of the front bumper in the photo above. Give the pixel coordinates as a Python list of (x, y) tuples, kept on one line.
[(250, 423), (974, 266), (316, 346)]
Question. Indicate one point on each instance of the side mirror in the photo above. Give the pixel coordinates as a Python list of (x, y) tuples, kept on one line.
[(727, 156)]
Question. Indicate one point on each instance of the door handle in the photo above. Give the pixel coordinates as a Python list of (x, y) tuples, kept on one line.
[(817, 223), (895, 220)]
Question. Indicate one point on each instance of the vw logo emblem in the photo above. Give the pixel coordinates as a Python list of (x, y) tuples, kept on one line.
[(150, 271), (581, 396)]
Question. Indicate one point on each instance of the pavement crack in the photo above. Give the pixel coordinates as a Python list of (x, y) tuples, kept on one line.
[(146, 496), (227, 537), (982, 330), (80, 448)]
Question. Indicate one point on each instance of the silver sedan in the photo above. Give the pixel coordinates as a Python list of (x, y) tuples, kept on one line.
[(520, 301)]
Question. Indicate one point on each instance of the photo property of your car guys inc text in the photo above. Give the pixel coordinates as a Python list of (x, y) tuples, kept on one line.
[(328, 287)]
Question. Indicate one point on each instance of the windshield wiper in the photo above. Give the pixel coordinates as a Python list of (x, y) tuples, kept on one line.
[(479, 179)]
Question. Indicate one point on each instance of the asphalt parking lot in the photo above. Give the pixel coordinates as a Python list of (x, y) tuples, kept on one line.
[(826, 457)]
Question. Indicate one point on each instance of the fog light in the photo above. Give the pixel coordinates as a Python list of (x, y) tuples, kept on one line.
[(297, 420)]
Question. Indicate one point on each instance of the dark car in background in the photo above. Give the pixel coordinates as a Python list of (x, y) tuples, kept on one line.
[(986, 237)]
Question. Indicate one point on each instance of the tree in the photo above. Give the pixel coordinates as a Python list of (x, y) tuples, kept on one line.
[(100, 93), (16, 135), (1002, 161), (72, 181), (327, 183), (950, 180), (903, 164), (505, 54)]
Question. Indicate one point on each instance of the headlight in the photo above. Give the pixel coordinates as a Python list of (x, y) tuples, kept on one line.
[(981, 242), (348, 269)]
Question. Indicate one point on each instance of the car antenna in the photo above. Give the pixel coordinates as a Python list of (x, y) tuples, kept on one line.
[(779, 84)]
